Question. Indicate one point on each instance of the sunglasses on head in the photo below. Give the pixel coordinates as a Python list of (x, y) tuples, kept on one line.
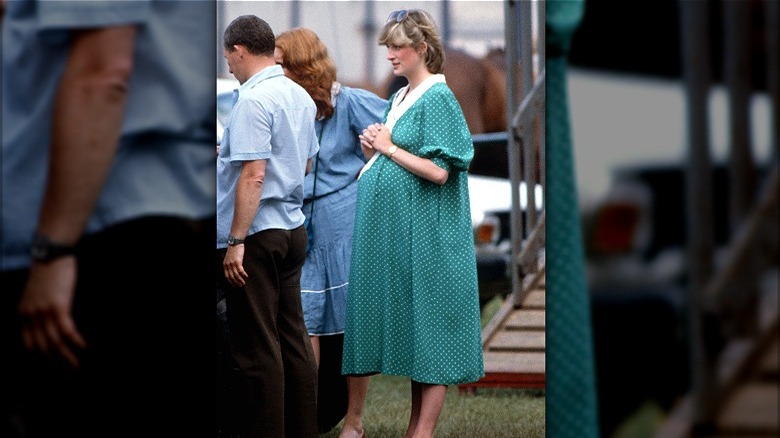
[(399, 15)]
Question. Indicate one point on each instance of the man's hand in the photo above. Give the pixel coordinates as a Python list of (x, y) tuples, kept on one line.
[(234, 266), (45, 310)]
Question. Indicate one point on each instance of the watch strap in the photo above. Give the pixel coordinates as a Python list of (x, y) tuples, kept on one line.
[(233, 240), (43, 249)]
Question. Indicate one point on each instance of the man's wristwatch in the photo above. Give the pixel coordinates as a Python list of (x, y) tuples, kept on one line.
[(233, 240), (44, 249)]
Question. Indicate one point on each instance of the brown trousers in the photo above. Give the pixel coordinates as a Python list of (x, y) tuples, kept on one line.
[(143, 303), (268, 338)]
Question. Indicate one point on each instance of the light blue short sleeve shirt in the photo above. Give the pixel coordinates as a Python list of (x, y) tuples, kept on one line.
[(165, 162), (272, 119)]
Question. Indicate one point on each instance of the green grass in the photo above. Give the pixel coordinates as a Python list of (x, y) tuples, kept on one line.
[(488, 413), (490, 308), (643, 423)]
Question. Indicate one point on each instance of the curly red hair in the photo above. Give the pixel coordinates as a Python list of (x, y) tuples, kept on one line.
[(306, 59)]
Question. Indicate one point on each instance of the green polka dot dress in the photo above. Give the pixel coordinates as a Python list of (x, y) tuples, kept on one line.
[(413, 304)]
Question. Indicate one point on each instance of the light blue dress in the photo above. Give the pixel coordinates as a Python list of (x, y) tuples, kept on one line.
[(325, 275)]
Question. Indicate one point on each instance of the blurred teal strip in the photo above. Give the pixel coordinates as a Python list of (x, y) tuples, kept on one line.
[(571, 407)]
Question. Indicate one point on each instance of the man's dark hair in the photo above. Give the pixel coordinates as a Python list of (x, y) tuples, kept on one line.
[(251, 32)]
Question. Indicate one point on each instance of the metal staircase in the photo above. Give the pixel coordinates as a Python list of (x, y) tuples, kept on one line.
[(741, 376), (514, 341), (734, 314)]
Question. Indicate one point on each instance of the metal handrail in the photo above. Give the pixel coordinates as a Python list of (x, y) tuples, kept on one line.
[(710, 292), (525, 136)]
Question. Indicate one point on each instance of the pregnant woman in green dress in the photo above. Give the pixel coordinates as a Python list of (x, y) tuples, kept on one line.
[(413, 306)]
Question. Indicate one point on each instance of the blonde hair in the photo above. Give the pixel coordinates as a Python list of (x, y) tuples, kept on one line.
[(417, 27), (308, 63)]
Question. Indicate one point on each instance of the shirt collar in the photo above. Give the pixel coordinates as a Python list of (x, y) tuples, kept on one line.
[(266, 73)]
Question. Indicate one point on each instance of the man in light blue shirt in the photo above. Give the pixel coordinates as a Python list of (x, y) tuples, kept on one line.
[(108, 217), (264, 155)]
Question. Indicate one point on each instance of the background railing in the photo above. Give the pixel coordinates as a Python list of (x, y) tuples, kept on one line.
[(724, 299), (525, 137)]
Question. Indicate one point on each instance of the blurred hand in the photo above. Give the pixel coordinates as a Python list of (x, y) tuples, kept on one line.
[(46, 310), (234, 266)]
